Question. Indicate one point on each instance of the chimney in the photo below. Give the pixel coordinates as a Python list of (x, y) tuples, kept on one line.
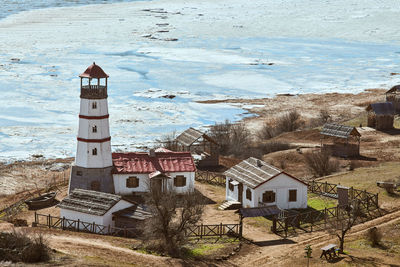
[(259, 164), (152, 153)]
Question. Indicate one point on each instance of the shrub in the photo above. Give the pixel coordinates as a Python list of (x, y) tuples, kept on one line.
[(320, 163), (289, 122), (274, 146), (374, 236), (18, 246)]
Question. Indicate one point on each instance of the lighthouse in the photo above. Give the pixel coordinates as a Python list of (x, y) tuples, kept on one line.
[(93, 162)]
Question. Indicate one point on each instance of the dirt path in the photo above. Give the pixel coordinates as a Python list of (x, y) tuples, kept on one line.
[(281, 250)]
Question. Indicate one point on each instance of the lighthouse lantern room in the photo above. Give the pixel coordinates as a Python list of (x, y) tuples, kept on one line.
[(93, 162)]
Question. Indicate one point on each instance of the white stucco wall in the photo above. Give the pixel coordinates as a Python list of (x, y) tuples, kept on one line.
[(280, 185), (120, 183), (87, 110), (144, 182), (189, 182), (105, 220), (84, 157), (86, 128), (231, 195)]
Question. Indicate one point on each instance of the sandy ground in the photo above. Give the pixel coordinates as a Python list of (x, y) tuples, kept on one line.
[(341, 107)]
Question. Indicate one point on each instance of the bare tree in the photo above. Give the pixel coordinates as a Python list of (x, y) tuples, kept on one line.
[(320, 163), (239, 139), (324, 116), (173, 214), (168, 141), (220, 132), (342, 224)]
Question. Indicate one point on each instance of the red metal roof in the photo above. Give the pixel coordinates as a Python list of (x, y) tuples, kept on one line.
[(141, 162), (94, 71)]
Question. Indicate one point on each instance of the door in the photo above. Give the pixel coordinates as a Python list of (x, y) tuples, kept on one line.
[(240, 192), (156, 184)]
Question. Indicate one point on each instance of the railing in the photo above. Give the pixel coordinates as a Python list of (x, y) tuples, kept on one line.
[(214, 230), (197, 231), (93, 91), (330, 190), (366, 203), (81, 226), (211, 177)]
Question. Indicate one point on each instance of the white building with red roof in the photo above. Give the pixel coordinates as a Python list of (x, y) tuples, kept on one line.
[(160, 169)]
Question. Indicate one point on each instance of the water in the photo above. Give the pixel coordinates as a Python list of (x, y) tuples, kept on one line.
[(9, 7), (45, 50)]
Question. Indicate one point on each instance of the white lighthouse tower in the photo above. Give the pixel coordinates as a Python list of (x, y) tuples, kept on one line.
[(93, 161)]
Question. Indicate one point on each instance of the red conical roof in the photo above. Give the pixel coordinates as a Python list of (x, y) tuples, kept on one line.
[(94, 71)]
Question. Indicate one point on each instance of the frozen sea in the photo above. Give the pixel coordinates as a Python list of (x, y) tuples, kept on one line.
[(195, 50)]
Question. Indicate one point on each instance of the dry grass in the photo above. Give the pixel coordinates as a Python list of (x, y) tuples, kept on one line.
[(365, 179)]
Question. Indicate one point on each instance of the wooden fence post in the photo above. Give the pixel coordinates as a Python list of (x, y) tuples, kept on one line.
[(325, 215), (241, 226), (201, 230), (63, 223), (274, 225), (49, 220), (36, 218), (220, 230), (77, 228), (94, 227)]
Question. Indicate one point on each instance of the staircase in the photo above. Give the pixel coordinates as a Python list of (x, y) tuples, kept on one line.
[(230, 205)]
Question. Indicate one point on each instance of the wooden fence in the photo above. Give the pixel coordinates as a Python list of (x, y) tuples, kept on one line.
[(365, 198), (197, 231), (318, 220), (53, 184), (210, 177), (214, 230), (367, 204), (80, 226)]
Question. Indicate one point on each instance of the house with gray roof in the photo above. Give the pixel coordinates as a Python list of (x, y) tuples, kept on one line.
[(93, 207), (393, 96), (255, 183), (381, 115), (340, 140), (205, 149)]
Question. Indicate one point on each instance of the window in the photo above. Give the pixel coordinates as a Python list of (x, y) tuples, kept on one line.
[(248, 194), (292, 195), (268, 197), (95, 186), (94, 129), (231, 186), (94, 151), (132, 182), (94, 105), (180, 181), (79, 173)]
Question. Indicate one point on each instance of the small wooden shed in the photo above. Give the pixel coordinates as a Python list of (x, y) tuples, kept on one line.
[(381, 115), (393, 96), (340, 140), (205, 149)]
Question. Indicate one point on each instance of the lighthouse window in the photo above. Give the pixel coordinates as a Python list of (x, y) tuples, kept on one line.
[(132, 182), (94, 105), (94, 129), (94, 151)]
